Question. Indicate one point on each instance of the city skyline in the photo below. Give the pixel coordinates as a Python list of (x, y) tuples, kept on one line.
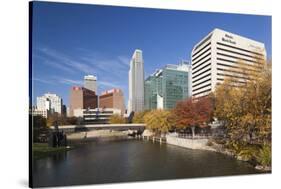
[(61, 59)]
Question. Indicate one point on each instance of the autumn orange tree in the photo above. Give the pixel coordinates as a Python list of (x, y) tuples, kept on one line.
[(159, 121), (191, 113), (60, 119), (246, 109), (139, 116), (116, 118)]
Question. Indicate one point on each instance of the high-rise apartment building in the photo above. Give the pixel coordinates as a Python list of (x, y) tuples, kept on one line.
[(50, 102), (219, 55), (113, 98), (136, 83), (90, 82), (82, 98), (166, 86)]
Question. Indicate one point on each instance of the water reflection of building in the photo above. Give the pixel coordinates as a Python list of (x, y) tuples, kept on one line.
[(165, 87)]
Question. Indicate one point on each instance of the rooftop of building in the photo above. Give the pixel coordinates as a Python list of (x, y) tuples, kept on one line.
[(115, 90), (77, 88), (48, 95), (184, 65), (90, 77), (218, 30), (138, 50)]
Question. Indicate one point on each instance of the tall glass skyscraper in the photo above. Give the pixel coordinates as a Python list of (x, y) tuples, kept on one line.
[(136, 83), (165, 87)]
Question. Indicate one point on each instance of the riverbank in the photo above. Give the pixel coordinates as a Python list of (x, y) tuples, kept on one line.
[(211, 145), (41, 150), (97, 135)]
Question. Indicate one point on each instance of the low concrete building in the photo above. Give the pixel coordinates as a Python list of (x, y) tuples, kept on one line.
[(96, 116)]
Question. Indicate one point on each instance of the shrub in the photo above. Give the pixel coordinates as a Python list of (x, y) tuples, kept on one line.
[(115, 118), (248, 153), (209, 143), (263, 156)]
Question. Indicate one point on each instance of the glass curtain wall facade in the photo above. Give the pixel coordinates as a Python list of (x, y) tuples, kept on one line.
[(165, 87), (175, 87)]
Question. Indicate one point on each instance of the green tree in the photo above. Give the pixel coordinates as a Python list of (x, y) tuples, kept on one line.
[(38, 125)]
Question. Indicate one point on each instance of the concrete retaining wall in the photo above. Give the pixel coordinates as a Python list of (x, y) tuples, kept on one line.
[(200, 144)]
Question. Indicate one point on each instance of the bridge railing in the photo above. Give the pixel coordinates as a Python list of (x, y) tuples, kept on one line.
[(77, 128)]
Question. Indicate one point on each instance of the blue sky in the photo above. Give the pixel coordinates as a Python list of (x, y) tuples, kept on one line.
[(73, 40)]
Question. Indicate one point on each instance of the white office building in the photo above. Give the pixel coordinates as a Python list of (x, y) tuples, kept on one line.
[(217, 56), (136, 83), (90, 82), (35, 112), (49, 102)]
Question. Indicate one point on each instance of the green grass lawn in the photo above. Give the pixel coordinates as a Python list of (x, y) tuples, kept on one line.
[(41, 150)]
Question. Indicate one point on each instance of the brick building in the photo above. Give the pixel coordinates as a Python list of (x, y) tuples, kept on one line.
[(82, 98), (113, 98)]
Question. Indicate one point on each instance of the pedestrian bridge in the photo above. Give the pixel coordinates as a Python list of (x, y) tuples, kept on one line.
[(117, 127)]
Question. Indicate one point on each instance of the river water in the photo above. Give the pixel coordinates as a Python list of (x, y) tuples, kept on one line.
[(132, 160)]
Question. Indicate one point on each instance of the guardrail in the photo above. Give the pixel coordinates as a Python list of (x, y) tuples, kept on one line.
[(189, 136)]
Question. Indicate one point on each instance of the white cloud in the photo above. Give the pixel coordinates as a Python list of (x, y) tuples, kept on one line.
[(124, 60), (42, 80), (111, 72), (88, 63), (80, 82), (108, 84), (66, 61), (70, 81), (54, 64)]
